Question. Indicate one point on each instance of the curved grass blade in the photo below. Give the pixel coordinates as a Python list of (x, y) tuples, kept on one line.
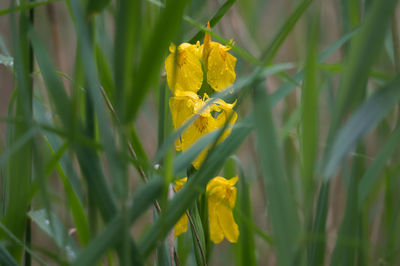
[(276, 43), (370, 38), (372, 173), (215, 19), (54, 228), (365, 118)]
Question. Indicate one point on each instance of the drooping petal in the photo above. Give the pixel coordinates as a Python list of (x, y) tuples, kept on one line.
[(216, 234), (183, 67), (221, 195), (227, 222)]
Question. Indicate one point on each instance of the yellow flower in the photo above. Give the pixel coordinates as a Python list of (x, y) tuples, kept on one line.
[(221, 195), (184, 71), (184, 68), (219, 63), (182, 225), (186, 104)]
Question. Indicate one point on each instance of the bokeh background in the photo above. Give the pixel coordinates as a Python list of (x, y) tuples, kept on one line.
[(251, 24)]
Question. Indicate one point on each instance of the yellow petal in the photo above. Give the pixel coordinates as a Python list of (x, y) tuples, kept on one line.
[(220, 68), (183, 67), (227, 222), (216, 234), (179, 183), (181, 226)]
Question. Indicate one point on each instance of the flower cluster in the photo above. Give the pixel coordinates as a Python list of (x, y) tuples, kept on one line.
[(190, 67), (193, 69)]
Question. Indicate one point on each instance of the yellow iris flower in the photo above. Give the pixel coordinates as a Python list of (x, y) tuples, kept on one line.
[(221, 195), (184, 105), (184, 66), (182, 225)]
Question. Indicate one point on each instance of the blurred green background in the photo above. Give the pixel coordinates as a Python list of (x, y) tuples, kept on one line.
[(321, 161)]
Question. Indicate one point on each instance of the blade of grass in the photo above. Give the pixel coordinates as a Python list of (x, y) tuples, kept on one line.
[(110, 236), (309, 116), (20, 163), (347, 243), (152, 55), (353, 83), (128, 32), (21, 244), (282, 214), (54, 228), (279, 38), (370, 177), (27, 6), (214, 20), (246, 238), (6, 258)]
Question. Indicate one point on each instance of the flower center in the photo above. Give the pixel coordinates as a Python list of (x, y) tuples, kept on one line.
[(201, 124), (181, 58)]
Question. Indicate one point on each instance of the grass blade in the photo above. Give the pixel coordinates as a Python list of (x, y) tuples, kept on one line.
[(215, 19), (152, 55), (370, 178), (53, 227), (109, 237), (282, 214), (6, 258)]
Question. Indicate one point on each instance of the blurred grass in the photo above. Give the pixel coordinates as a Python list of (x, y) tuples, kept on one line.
[(317, 183)]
